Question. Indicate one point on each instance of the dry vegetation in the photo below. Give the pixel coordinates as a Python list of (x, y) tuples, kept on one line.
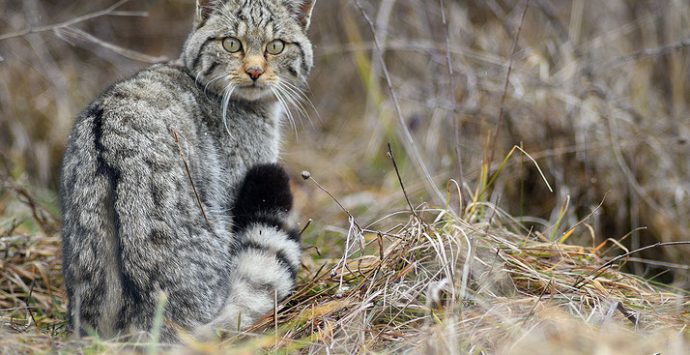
[(484, 258)]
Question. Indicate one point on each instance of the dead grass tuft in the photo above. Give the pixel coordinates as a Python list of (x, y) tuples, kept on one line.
[(432, 281), (31, 289)]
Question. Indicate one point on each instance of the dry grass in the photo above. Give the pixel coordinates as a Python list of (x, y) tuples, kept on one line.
[(433, 281), (597, 97)]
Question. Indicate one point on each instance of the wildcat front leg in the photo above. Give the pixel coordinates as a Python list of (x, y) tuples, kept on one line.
[(265, 264)]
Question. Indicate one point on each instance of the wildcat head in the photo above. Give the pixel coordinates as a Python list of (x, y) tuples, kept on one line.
[(250, 49)]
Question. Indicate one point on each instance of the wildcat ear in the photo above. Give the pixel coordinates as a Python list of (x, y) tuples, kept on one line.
[(204, 8), (301, 10)]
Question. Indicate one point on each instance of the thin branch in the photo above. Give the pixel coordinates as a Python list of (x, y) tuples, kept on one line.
[(129, 13), (651, 52), (628, 314), (71, 35), (402, 186), (90, 16), (659, 263), (27, 302), (307, 176), (305, 227), (492, 143), (541, 296), (189, 175), (582, 280), (451, 93), (409, 143)]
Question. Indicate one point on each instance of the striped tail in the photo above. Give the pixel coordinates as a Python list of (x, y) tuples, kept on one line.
[(265, 264)]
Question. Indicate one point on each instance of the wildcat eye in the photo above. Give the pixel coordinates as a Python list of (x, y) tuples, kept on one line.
[(275, 47), (232, 44)]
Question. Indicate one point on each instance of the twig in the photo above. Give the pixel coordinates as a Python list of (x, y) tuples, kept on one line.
[(90, 16), (40, 214), (70, 34), (501, 112), (659, 263), (541, 296), (402, 186), (582, 280), (189, 175), (6, 167), (383, 14), (28, 299), (409, 143), (451, 92), (379, 240), (307, 176), (628, 314), (305, 227), (129, 13), (650, 52), (316, 249)]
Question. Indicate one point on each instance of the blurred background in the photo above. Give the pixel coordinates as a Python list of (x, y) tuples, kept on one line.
[(598, 96)]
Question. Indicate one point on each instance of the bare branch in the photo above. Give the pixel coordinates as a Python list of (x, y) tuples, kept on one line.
[(110, 11), (501, 113), (402, 186), (651, 52), (409, 143), (73, 35), (175, 136), (307, 176), (451, 94), (68, 33), (583, 280)]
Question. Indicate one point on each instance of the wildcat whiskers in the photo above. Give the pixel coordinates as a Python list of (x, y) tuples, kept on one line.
[(303, 97), (282, 100), (227, 93), (211, 82)]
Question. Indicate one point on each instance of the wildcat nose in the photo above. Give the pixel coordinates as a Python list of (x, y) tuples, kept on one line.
[(254, 72)]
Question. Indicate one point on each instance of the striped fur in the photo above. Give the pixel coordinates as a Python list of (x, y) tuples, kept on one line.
[(169, 183)]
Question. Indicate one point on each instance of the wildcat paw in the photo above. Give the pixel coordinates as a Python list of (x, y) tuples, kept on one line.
[(264, 190)]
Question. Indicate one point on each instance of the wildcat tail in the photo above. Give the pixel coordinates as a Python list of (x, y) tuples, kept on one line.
[(265, 264)]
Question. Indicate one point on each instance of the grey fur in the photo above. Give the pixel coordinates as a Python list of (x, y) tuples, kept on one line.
[(142, 152)]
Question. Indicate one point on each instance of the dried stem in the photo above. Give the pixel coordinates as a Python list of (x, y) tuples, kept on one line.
[(70, 34), (582, 280), (66, 32), (189, 175), (651, 52), (402, 186), (110, 11), (451, 92), (307, 176), (492, 143), (409, 143)]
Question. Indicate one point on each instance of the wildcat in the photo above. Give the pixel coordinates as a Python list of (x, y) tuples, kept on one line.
[(169, 183)]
